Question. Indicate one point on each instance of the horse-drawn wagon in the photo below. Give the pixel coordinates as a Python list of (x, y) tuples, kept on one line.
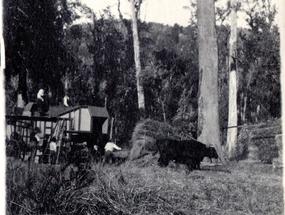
[(78, 124)]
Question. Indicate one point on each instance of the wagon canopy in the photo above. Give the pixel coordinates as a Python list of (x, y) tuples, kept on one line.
[(91, 119)]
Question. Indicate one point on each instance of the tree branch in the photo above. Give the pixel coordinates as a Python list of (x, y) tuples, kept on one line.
[(119, 11)]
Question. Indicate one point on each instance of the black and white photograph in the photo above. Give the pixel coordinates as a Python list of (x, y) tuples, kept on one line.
[(142, 107)]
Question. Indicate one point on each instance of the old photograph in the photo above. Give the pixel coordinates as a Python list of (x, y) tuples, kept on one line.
[(137, 107)]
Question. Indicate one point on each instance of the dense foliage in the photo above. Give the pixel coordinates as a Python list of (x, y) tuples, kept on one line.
[(45, 48), (34, 49)]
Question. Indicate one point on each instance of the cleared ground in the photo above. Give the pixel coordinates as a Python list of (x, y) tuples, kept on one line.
[(248, 189)]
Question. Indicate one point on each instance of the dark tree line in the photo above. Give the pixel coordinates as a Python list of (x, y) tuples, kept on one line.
[(34, 45), (44, 48)]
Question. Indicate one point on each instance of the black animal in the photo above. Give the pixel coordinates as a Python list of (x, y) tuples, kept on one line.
[(189, 152), (212, 153)]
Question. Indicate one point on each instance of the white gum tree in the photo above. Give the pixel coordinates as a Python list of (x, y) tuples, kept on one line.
[(140, 91), (208, 111), (232, 114)]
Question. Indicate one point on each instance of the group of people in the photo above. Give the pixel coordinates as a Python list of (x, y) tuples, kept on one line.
[(36, 145), (50, 146), (46, 149), (43, 101)]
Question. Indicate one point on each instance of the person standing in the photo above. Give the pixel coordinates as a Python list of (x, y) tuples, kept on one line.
[(66, 101), (95, 153), (34, 142), (41, 102), (52, 151)]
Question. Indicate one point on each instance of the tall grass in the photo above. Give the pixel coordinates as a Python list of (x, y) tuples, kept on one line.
[(127, 189)]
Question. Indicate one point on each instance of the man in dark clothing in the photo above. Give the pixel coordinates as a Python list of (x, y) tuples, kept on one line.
[(42, 102), (34, 142)]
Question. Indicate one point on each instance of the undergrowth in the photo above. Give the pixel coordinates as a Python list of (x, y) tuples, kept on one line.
[(129, 189)]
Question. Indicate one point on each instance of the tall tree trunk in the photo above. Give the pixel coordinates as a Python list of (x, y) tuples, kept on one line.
[(208, 108), (244, 108), (246, 94), (22, 84), (140, 91), (163, 109), (232, 114), (66, 84)]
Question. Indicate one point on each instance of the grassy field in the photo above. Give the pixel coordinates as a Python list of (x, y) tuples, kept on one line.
[(133, 188)]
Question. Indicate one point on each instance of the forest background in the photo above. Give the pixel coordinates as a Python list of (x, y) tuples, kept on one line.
[(47, 48)]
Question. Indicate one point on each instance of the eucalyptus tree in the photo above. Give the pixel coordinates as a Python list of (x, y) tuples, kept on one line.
[(135, 5), (232, 111), (208, 108)]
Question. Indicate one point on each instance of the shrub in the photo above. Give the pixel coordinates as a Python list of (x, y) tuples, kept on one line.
[(261, 135), (242, 144), (267, 150), (41, 189)]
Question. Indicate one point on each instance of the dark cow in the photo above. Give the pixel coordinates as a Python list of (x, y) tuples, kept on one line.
[(212, 153), (189, 152)]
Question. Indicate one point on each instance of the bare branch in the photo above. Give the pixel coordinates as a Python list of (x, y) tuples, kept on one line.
[(119, 11), (123, 20), (138, 4)]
